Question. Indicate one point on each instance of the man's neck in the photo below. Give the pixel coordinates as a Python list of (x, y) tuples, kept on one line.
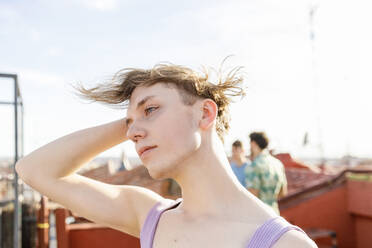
[(239, 160), (209, 186), (257, 153)]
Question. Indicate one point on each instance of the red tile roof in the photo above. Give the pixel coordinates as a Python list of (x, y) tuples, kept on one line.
[(289, 162), (300, 179), (301, 176)]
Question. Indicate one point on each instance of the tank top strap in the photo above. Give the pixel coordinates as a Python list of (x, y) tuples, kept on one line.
[(270, 232), (149, 227)]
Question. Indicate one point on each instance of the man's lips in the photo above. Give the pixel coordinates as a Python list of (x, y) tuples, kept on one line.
[(144, 149)]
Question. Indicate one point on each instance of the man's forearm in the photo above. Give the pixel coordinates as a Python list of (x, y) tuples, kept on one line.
[(66, 155)]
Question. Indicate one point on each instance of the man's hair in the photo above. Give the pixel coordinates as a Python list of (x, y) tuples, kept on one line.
[(190, 84), (260, 139), (237, 143)]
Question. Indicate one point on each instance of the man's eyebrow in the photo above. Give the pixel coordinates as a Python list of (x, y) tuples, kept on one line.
[(143, 101), (139, 104)]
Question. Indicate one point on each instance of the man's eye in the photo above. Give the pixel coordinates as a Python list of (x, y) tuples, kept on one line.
[(149, 110)]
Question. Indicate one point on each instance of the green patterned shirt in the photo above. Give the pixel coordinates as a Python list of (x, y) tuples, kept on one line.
[(266, 174)]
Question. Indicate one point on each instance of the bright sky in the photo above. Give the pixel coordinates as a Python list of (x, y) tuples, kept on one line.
[(51, 44)]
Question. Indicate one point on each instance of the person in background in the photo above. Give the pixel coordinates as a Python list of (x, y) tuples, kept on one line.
[(265, 177), (238, 161)]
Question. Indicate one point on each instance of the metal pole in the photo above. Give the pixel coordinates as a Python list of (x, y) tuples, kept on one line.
[(1, 232), (22, 132), (17, 209), (16, 230)]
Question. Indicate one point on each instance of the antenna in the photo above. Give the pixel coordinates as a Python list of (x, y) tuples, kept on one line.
[(315, 79)]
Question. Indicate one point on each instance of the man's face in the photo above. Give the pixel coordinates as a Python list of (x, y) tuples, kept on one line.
[(237, 151), (165, 130), (255, 149)]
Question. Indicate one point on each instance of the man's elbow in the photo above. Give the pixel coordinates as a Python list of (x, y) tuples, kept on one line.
[(21, 169), (18, 167)]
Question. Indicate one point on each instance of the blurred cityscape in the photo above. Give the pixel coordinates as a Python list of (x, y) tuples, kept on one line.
[(330, 201)]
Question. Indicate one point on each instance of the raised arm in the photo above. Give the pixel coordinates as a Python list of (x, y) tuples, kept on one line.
[(66, 155), (51, 170)]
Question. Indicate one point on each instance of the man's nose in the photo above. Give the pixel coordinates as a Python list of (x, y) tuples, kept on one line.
[(135, 132)]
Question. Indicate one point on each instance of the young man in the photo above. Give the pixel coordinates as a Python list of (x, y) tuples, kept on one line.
[(265, 177), (238, 161), (176, 118)]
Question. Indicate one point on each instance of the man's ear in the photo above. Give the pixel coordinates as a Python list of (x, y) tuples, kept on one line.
[(210, 110)]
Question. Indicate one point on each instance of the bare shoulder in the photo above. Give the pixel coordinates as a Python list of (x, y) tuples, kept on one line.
[(295, 239)]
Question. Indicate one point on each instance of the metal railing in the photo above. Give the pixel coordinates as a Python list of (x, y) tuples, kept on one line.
[(17, 102)]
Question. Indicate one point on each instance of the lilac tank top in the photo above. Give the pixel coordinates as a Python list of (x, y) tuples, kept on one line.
[(264, 237)]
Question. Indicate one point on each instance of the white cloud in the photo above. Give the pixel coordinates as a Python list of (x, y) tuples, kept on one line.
[(35, 35), (39, 78), (102, 5), (8, 13), (53, 51)]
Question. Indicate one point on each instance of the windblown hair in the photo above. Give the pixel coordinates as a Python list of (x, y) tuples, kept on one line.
[(190, 84)]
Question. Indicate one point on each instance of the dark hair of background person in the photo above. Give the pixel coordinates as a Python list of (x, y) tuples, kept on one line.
[(237, 143), (260, 139)]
